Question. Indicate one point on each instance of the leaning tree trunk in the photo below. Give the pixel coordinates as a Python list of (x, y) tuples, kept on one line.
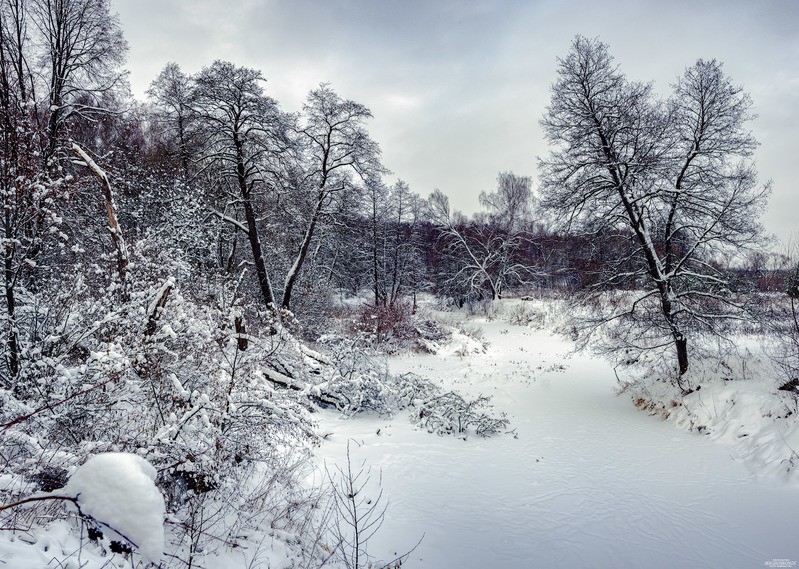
[(113, 223), (257, 252), (293, 274)]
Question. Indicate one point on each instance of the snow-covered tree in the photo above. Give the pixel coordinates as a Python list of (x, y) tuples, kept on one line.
[(172, 96), (84, 50), (337, 154), (245, 133), (483, 253), (674, 175)]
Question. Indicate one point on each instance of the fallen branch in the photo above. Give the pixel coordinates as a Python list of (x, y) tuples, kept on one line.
[(315, 394), (158, 305)]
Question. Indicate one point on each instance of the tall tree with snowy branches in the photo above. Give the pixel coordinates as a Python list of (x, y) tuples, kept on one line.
[(245, 132), (84, 50), (676, 175), (338, 154)]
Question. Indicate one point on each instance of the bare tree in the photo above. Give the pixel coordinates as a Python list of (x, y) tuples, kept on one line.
[(173, 97), (29, 201), (359, 515), (14, 40), (484, 251), (245, 133), (81, 47), (377, 211), (338, 150), (675, 175), (510, 206), (403, 251), (84, 49)]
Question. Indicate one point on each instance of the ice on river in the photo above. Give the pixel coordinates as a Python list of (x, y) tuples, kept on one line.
[(589, 482)]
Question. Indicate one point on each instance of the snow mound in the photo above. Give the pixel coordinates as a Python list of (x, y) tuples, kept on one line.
[(757, 421), (118, 491), (736, 401)]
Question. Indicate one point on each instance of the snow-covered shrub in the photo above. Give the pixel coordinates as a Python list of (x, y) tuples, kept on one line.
[(359, 512), (215, 393), (471, 330), (173, 380), (115, 494), (526, 313), (385, 324), (361, 382), (450, 413), (357, 380)]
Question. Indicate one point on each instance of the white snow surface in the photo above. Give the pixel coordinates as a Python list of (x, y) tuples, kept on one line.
[(590, 481), (118, 490)]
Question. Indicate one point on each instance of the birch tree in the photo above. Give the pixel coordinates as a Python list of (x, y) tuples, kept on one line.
[(484, 251), (675, 175)]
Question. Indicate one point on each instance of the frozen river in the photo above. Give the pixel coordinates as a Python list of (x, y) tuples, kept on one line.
[(589, 481)]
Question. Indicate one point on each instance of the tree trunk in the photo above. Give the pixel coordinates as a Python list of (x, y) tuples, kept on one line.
[(257, 253), (12, 342), (113, 222), (379, 298), (681, 343), (184, 155), (158, 306), (291, 277), (396, 281), (252, 227)]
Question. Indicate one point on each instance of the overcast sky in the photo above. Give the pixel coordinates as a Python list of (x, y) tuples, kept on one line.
[(458, 87)]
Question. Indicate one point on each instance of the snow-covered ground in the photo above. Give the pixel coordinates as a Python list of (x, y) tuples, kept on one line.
[(583, 479), (587, 481)]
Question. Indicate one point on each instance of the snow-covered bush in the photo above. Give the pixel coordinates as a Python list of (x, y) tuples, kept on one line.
[(526, 313), (358, 379), (214, 392), (447, 413), (388, 326), (178, 382), (360, 382), (115, 494)]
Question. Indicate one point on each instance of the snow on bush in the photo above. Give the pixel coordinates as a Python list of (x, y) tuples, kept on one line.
[(117, 490), (533, 312), (359, 381), (174, 386)]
